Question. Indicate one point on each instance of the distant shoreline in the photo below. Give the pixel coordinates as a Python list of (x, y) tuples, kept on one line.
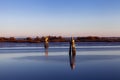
[(60, 39)]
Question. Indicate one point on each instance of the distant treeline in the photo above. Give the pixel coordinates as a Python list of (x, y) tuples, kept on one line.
[(60, 39)]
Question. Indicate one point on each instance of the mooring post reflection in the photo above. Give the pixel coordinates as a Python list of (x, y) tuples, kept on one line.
[(46, 45), (72, 53), (46, 52)]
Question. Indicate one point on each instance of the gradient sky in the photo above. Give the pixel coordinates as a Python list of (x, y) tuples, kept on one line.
[(22, 18)]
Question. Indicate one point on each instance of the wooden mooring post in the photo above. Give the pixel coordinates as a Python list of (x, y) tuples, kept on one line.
[(46, 45), (72, 53)]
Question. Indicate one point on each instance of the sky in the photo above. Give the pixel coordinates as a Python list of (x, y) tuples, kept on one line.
[(20, 18)]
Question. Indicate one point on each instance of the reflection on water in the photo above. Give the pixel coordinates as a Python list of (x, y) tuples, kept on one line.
[(46, 52), (72, 60)]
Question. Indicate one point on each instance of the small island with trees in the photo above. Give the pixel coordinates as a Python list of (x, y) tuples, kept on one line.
[(60, 39)]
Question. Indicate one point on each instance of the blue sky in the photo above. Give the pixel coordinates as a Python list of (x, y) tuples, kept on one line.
[(22, 18)]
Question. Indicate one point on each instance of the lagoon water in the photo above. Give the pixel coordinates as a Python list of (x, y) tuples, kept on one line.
[(30, 61)]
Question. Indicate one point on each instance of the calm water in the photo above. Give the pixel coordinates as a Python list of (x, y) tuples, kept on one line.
[(29, 61)]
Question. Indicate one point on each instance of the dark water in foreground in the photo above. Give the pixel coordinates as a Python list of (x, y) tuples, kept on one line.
[(93, 61)]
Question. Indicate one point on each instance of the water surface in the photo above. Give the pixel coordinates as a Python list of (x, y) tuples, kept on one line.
[(93, 61)]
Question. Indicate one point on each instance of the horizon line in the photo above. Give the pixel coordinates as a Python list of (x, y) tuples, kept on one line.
[(54, 35)]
